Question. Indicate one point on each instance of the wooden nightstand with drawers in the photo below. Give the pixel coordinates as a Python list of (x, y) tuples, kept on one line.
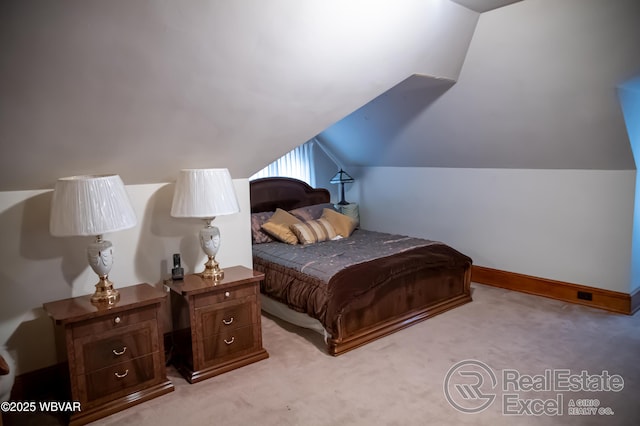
[(115, 355), (216, 327)]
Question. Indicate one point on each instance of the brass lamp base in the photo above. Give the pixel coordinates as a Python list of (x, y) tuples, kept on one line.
[(105, 294), (212, 271)]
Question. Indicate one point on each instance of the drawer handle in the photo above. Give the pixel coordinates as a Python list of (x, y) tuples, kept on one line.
[(230, 341), (227, 294), (118, 353), (123, 375), (117, 320), (227, 322)]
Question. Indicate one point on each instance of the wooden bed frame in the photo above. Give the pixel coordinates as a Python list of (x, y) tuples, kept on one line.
[(399, 303)]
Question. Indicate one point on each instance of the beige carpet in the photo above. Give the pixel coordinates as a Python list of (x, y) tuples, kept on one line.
[(398, 380)]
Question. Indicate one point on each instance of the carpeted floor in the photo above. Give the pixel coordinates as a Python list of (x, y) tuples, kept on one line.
[(399, 379)]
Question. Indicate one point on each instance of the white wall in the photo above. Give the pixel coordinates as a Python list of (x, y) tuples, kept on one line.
[(567, 225), (36, 267)]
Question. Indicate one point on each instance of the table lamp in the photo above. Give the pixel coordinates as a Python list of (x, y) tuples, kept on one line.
[(341, 178), (93, 205), (205, 194)]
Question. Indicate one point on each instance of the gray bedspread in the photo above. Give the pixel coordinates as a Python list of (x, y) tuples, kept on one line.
[(325, 259)]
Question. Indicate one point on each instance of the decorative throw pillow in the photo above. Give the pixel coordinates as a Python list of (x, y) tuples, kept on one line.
[(257, 235), (344, 225), (280, 232), (314, 231), (279, 226), (311, 212)]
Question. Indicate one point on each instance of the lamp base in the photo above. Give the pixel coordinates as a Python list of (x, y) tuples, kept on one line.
[(212, 270), (105, 293)]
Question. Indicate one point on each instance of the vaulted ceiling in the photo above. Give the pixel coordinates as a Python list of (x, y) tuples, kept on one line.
[(537, 91), (145, 88), (484, 5)]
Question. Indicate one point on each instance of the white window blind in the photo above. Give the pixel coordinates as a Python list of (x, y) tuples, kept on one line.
[(297, 164)]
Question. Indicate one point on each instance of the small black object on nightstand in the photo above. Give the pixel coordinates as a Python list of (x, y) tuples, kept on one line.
[(177, 273)]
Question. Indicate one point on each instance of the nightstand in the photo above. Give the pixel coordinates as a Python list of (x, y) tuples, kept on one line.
[(116, 355), (216, 327)]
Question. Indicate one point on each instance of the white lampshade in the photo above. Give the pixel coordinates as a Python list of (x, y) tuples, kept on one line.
[(90, 205), (204, 193)]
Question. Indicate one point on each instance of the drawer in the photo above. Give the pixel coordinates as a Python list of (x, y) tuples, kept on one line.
[(120, 378), (123, 347), (223, 295), (231, 317), (230, 342), (114, 321), (96, 351)]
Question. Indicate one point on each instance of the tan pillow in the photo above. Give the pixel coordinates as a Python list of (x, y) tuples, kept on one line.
[(280, 232), (344, 225), (314, 231), (279, 226)]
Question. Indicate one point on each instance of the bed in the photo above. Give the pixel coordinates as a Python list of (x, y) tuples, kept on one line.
[(354, 289)]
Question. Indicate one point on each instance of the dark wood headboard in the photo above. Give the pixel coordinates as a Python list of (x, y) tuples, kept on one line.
[(286, 193)]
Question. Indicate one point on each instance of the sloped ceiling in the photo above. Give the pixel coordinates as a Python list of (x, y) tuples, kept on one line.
[(372, 135), (145, 88), (537, 91), (484, 5)]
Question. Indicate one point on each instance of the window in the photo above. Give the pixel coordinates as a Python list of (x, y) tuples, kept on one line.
[(297, 164)]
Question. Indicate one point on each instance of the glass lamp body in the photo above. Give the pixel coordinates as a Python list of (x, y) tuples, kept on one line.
[(210, 242), (100, 257)]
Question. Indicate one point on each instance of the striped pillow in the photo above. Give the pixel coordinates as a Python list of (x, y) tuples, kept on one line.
[(314, 231)]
